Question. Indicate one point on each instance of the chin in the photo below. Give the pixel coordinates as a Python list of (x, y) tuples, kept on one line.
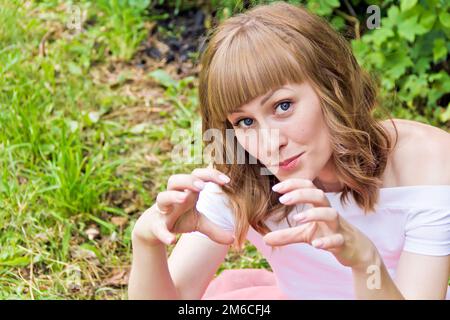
[(295, 175)]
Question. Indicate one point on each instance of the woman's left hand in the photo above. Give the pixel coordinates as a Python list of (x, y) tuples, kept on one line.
[(321, 226)]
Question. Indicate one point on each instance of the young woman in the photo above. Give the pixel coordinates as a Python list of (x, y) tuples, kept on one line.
[(341, 205)]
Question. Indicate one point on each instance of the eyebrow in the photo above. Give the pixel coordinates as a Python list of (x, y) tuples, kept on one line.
[(264, 99)]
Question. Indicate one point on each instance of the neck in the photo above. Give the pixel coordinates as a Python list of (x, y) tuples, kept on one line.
[(327, 180), (329, 187)]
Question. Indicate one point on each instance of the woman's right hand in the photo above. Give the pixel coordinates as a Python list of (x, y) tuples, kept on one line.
[(174, 210)]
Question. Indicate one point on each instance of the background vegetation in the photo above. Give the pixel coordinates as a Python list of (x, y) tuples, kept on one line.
[(86, 117)]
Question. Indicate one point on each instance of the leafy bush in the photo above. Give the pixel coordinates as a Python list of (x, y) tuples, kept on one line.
[(409, 56)]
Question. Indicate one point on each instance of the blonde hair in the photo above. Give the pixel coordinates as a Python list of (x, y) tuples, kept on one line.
[(265, 48)]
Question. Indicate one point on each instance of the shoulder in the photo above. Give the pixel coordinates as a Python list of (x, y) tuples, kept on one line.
[(420, 157)]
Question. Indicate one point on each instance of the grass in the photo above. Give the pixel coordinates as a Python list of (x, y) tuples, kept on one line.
[(81, 157)]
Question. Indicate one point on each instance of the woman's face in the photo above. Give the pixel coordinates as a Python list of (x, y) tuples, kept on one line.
[(282, 124)]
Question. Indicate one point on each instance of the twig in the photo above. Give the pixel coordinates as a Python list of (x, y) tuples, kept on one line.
[(42, 52), (30, 283), (352, 19), (45, 258), (350, 8)]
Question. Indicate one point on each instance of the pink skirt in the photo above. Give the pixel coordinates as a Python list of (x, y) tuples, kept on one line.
[(244, 284), (248, 284)]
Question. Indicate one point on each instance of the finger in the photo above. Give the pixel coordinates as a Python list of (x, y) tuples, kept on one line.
[(166, 199), (196, 180), (181, 182), (164, 235), (213, 175), (314, 196), (291, 184), (326, 214), (214, 232), (299, 234), (329, 242)]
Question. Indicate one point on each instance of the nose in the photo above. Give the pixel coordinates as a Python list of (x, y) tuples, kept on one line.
[(271, 141)]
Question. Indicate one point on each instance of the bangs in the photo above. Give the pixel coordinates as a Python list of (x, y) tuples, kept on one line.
[(252, 61)]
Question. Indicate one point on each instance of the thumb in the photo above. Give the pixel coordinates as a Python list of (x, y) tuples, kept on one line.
[(214, 232), (165, 236)]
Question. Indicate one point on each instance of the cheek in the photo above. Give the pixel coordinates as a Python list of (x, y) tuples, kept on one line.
[(309, 129), (248, 143), (306, 128)]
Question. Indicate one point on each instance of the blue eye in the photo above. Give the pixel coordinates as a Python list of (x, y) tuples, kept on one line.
[(285, 106), (247, 122)]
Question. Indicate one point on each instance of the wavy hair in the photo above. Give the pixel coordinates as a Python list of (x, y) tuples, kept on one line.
[(267, 47)]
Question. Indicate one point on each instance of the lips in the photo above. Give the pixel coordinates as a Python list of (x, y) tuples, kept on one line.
[(285, 162)]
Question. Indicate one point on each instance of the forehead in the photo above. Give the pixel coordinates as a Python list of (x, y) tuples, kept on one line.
[(262, 99)]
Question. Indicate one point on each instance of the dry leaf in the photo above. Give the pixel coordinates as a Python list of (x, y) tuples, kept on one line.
[(165, 146), (130, 209), (118, 277), (152, 158), (119, 221)]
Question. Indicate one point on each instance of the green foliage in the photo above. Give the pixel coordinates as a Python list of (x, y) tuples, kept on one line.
[(185, 109), (226, 8), (76, 182), (123, 23), (408, 54), (248, 258), (57, 163)]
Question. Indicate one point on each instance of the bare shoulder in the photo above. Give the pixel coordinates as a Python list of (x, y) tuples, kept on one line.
[(421, 156)]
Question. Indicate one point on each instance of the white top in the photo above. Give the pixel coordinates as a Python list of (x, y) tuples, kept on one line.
[(411, 218)]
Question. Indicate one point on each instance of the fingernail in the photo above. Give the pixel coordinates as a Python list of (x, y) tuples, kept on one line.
[(224, 178), (199, 184), (277, 187), (299, 217), (317, 243), (285, 198)]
